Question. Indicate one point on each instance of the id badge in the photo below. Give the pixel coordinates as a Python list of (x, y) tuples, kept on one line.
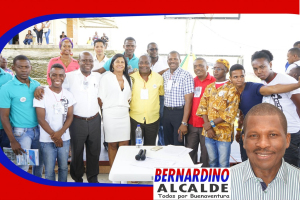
[(144, 93), (197, 91), (169, 85), (58, 108)]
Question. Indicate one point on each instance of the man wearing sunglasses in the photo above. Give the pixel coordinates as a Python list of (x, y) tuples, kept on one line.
[(159, 65), (218, 108)]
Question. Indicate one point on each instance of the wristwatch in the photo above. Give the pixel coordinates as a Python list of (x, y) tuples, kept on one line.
[(212, 123), (184, 123)]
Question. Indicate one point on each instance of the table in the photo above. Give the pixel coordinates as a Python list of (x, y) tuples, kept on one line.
[(123, 171)]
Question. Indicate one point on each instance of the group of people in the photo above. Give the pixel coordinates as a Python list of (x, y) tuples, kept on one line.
[(96, 37), (39, 29), (156, 93)]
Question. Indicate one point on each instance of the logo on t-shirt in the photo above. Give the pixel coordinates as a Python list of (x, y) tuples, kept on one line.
[(276, 98), (65, 102)]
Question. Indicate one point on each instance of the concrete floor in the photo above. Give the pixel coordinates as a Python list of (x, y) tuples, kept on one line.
[(103, 178)]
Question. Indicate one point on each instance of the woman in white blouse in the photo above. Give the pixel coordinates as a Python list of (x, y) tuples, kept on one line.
[(115, 95)]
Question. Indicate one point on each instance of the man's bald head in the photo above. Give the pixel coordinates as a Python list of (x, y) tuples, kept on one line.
[(146, 56), (266, 109), (84, 53)]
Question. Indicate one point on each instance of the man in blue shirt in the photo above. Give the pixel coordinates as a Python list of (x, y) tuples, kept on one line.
[(18, 115), (251, 94), (133, 61), (4, 78)]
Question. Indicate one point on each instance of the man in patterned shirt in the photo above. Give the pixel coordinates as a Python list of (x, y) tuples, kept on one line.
[(179, 90), (218, 108), (265, 175)]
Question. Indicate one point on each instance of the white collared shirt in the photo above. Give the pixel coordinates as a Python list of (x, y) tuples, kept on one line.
[(85, 91), (160, 65), (97, 64)]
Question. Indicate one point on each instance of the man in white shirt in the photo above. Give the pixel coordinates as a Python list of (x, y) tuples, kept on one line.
[(85, 128), (100, 57), (55, 115), (293, 57), (159, 65)]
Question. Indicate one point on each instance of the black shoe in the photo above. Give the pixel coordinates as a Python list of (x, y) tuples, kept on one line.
[(105, 144)]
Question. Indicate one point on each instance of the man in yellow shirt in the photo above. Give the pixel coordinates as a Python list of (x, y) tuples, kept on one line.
[(147, 86), (218, 108)]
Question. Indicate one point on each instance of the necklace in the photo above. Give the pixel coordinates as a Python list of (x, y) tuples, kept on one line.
[(66, 62), (62, 93)]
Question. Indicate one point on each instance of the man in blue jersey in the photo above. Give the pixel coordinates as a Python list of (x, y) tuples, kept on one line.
[(132, 61), (18, 115), (4, 78)]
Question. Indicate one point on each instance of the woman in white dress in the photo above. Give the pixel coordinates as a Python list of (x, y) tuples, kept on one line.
[(115, 95)]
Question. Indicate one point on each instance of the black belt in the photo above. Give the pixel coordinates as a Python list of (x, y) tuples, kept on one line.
[(86, 118), (174, 108)]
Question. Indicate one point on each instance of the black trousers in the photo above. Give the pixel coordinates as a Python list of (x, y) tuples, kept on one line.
[(242, 150), (172, 122), (39, 36), (193, 138), (149, 132), (88, 133)]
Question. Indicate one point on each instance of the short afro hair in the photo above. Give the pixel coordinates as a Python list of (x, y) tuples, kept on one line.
[(262, 54), (266, 109)]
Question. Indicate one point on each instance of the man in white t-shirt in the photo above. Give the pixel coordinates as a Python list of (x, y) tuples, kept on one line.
[(293, 57), (288, 102), (55, 115), (85, 129), (159, 65)]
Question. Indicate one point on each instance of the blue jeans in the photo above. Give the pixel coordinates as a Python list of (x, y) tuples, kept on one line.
[(292, 154), (50, 153), (47, 36), (218, 152), (161, 140), (4, 141), (28, 138), (27, 41)]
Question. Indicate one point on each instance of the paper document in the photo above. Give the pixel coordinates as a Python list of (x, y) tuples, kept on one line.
[(31, 157), (175, 150)]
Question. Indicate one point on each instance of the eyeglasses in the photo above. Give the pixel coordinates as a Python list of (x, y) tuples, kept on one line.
[(154, 49), (217, 69)]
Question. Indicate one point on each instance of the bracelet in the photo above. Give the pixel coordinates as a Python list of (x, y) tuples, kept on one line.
[(238, 129)]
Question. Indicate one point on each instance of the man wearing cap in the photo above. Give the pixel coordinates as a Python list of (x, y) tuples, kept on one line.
[(218, 108)]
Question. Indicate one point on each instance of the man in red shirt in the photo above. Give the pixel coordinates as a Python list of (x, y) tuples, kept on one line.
[(194, 135)]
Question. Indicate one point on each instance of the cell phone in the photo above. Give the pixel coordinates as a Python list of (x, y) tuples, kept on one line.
[(156, 148)]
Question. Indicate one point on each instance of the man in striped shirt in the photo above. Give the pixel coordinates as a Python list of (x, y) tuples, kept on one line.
[(265, 175)]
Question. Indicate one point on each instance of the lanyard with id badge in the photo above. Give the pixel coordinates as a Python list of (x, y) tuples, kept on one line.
[(144, 92), (170, 82), (197, 91)]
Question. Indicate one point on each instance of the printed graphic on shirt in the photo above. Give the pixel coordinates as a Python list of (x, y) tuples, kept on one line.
[(276, 98)]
